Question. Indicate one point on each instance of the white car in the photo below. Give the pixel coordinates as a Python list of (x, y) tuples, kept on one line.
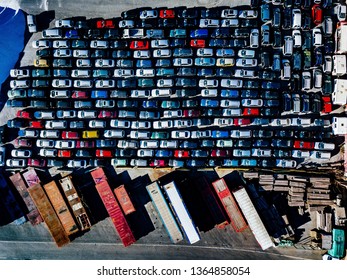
[(261, 152), (286, 163), (280, 122), (20, 84), (152, 144), (145, 72), (146, 14), (169, 144), (341, 12), (244, 53), (61, 83), (252, 102), (180, 134), (240, 133), (231, 112), (125, 73), (241, 153), (77, 163), (229, 13), (160, 43), (16, 162), (104, 83), (19, 73), (231, 83), (120, 123), (56, 124), (21, 153), (80, 73), (61, 44), (142, 54), (62, 53), (208, 23), (320, 155), (48, 152), (104, 62), (82, 83), (163, 124), (65, 144), (162, 53), (209, 92), (300, 154), (172, 114), (81, 53), (246, 62), (45, 143), (243, 73), (97, 124), (208, 83), (49, 133), (204, 52), (301, 122), (165, 83), (138, 134), (227, 103), (324, 146), (127, 144), (248, 14), (126, 24), (145, 153), (41, 44)]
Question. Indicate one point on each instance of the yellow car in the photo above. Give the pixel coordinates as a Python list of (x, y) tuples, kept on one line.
[(225, 62), (90, 134), (41, 63)]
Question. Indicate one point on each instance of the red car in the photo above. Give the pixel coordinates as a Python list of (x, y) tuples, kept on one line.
[(317, 14), (22, 143), (85, 144), (220, 153), (241, 121), (139, 45), (303, 145), (327, 105), (65, 153), (181, 154), (158, 163), (70, 135), (23, 115), (197, 43), (108, 23), (251, 112), (79, 94), (36, 124), (106, 114), (104, 153), (191, 113), (166, 13), (37, 162)]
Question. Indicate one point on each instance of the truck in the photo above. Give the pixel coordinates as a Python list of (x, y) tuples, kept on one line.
[(75, 203), (164, 212), (15, 213), (31, 177), (252, 217), (124, 200), (60, 207), (33, 214), (340, 65), (230, 206), (341, 38), (212, 202), (48, 214), (181, 213), (339, 95), (115, 212)]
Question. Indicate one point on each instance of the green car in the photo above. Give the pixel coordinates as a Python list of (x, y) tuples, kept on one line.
[(307, 59), (170, 104), (160, 135), (178, 33), (145, 83), (43, 73), (42, 53)]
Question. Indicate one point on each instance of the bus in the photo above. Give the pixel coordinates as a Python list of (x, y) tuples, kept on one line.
[(164, 212), (181, 213)]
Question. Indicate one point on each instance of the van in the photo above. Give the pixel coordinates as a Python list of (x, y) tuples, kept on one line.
[(286, 71), (254, 38), (90, 134), (339, 65), (52, 33), (288, 46), (296, 19)]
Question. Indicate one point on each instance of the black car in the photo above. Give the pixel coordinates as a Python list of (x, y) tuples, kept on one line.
[(251, 23), (296, 61), (255, 4), (329, 47), (262, 133), (251, 84), (119, 44), (307, 40), (327, 4), (318, 57), (269, 112), (306, 4), (167, 23), (100, 54), (221, 43), (63, 104), (306, 21), (190, 22), (93, 34), (288, 3), (316, 104), (241, 32), (188, 13), (297, 3), (210, 13), (178, 43), (287, 18), (147, 23), (121, 54), (222, 32), (277, 39), (130, 14), (224, 72), (269, 94), (286, 102), (327, 84), (265, 60), (239, 43), (249, 93), (111, 34), (243, 143), (125, 153), (282, 153), (284, 133), (186, 71), (206, 72)]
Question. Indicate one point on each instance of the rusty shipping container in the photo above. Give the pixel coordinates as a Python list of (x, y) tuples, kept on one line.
[(31, 177), (60, 207), (98, 175), (48, 214), (75, 203), (237, 221), (33, 214), (115, 212), (124, 200)]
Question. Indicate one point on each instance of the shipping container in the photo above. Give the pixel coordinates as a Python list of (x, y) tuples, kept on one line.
[(164, 212), (212, 202), (48, 214), (98, 175), (33, 214), (124, 200), (60, 207), (75, 203), (231, 208), (31, 177), (15, 213), (115, 213), (181, 213), (253, 219)]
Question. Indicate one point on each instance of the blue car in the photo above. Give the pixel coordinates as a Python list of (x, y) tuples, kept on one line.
[(71, 34), (231, 162), (230, 93), (206, 72), (163, 153), (99, 94), (199, 33), (150, 104), (249, 162), (212, 103), (196, 163), (220, 134), (144, 63), (265, 12)]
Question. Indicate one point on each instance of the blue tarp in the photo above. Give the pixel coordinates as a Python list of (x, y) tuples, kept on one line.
[(12, 36)]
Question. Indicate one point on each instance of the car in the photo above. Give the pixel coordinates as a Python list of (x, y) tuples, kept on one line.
[(139, 45), (341, 12), (265, 12), (317, 14), (286, 163), (320, 155), (16, 163), (40, 44), (77, 163), (48, 152)]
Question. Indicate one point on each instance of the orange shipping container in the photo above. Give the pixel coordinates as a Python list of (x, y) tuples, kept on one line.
[(124, 200), (60, 208), (48, 214)]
